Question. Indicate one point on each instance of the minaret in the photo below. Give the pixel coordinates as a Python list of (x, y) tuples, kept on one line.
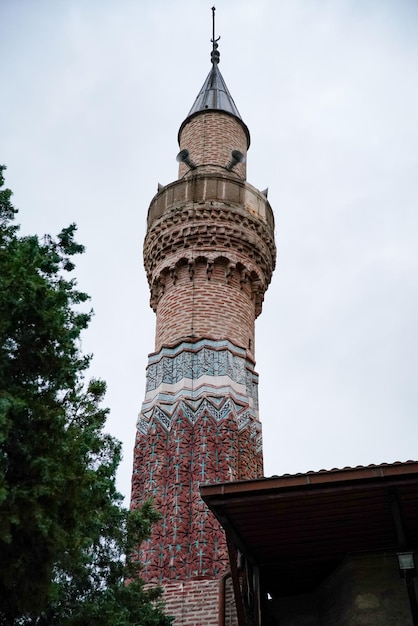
[(209, 254)]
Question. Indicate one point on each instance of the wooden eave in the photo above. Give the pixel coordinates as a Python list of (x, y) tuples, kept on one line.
[(297, 529)]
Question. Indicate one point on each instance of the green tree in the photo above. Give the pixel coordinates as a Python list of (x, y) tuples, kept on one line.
[(63, 529)]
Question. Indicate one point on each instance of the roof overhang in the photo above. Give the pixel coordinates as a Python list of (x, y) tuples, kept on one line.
[(298, 528)]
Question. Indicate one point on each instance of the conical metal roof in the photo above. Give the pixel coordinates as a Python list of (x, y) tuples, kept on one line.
[(214, 95)]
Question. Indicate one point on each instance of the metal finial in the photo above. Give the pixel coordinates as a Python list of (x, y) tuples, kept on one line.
[(214, 55)]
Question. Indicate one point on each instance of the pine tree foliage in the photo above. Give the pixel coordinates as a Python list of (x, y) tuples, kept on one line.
[(63, 529)]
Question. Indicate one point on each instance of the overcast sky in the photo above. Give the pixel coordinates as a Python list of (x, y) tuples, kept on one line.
[(93, 94)]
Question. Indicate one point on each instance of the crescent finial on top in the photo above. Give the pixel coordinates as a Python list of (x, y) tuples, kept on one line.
[(214, 55)]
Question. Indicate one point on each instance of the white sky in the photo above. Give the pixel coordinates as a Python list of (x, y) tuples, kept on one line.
[(93, 94)]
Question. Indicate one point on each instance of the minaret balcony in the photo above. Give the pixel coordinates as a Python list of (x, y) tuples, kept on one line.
[(211, 189)]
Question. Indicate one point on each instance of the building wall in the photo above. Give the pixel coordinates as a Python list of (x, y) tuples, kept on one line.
[(198, 602), (193, 602), (364, 591)]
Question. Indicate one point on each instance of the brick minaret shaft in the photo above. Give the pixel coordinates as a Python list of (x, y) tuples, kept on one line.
[(209, 254)]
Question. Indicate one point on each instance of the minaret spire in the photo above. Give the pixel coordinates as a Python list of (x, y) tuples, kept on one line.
[(214, 94), (214, 56)]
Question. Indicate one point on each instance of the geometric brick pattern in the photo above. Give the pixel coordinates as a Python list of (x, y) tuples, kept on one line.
[(198, 424)]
